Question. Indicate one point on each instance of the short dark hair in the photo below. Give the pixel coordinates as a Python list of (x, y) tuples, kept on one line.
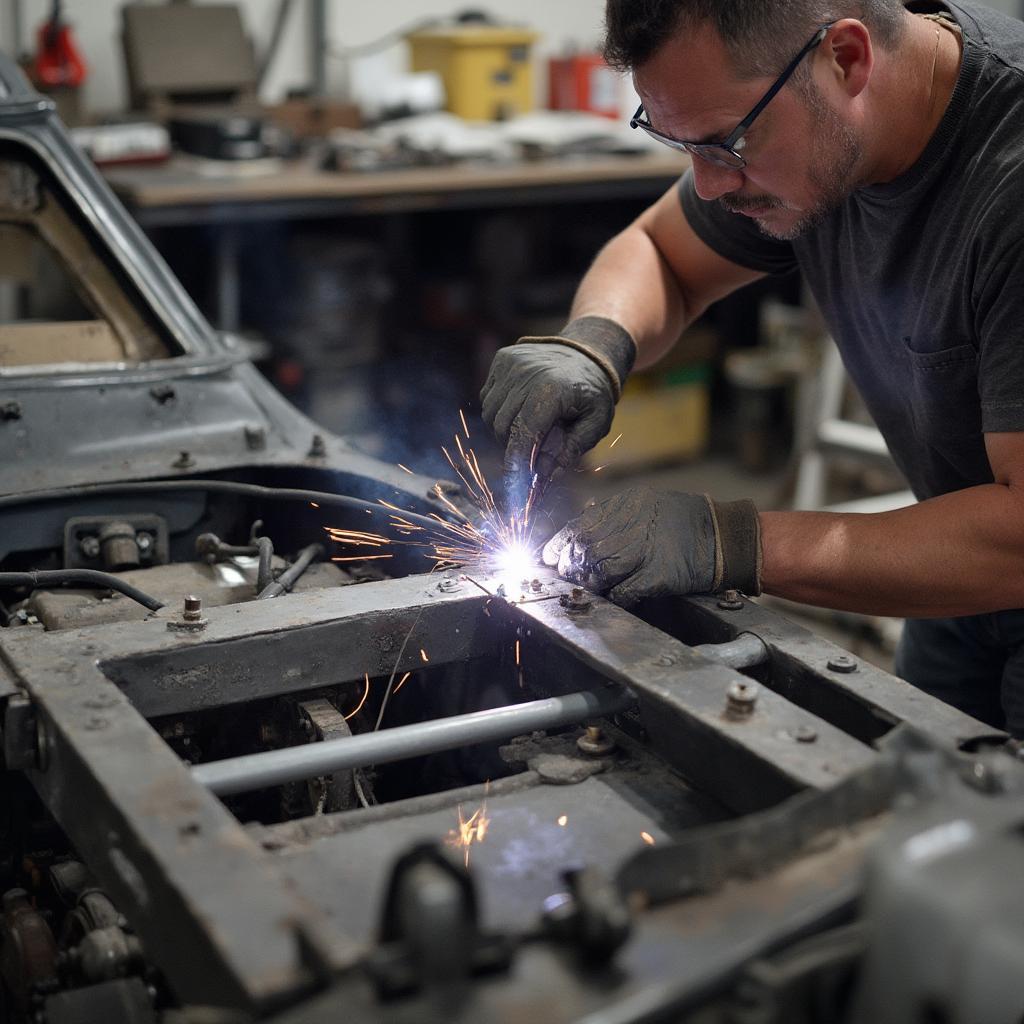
[(760, 35)]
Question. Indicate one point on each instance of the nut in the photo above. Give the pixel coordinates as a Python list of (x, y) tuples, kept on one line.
[(805, 734), (842, 663), (183, 461), (741, 699), (317, 447), (731, 601), (448, 585), (191, 620), (89, 546), (536, 586), (577, 600), (595, 742)]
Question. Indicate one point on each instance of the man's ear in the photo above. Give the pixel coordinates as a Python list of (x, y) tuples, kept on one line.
[(850, 54)]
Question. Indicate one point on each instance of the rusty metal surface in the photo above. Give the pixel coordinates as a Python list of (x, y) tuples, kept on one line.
[(224, 583), (748, 763), (866, 702), (185, 872), (675, 957), (519, 863)]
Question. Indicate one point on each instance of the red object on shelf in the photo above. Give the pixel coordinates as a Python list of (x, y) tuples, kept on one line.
[(57, 62), (583, 81)]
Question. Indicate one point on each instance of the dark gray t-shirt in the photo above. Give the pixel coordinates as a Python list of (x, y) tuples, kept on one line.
[(921, 280)]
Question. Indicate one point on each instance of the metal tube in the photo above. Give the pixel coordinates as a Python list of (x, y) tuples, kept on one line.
[(288, 578), (79, 578), (275, 767), (745, 651)]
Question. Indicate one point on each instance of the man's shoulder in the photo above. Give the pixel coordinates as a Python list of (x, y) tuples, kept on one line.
[(999, 34)]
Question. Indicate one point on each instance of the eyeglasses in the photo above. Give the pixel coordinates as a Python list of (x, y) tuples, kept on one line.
[(726, 154)]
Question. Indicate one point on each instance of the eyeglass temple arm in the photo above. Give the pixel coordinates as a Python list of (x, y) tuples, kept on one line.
[(779, 83)]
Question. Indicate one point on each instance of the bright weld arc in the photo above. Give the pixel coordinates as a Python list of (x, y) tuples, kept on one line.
[(495, 542)]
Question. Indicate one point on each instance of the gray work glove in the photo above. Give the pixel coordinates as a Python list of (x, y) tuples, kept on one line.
[(550, 399), (645, 542)]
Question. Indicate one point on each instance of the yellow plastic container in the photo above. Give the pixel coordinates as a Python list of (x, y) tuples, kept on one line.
[(487, 70)]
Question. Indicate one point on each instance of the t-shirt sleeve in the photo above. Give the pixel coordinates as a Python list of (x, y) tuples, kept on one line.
[(999, 311), (732, 235)]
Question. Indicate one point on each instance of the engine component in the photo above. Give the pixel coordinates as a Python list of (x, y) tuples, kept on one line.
[(430, 932), (115, 542), (28, 951)]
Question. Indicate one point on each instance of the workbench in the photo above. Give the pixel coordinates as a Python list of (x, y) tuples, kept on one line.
[(177, 194)]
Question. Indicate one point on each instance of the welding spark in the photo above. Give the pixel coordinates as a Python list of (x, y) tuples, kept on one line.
[(615, 442), (314, 504), (517, 652), (406, 468), (495, 541), (563, 820), (423, 655), (647, 838), (366, 693), (401, 682), (470, 830)]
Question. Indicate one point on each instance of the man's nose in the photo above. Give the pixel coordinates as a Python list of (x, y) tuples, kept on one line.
[(712, 181)]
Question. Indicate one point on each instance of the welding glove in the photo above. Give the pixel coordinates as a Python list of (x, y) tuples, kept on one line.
[(550, 399), (646, 542)]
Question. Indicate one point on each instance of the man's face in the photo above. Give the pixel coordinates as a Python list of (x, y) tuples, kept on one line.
[(802, 158)]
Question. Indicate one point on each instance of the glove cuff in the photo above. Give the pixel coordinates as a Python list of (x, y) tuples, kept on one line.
[(609, 344), (737, 546)]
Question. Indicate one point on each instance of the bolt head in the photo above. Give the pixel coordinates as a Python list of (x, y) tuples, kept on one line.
[(740, 699), (731, 601), (842, 663), (89, 546), (805, 734)]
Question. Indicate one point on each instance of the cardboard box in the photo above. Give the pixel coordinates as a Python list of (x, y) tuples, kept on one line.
[(658, 420)]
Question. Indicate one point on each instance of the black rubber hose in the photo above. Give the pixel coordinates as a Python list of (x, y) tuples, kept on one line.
[(287, 579), (265, 569), (81, 578), (215, 486)]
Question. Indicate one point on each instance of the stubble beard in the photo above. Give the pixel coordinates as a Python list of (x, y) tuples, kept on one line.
[(833, 170)]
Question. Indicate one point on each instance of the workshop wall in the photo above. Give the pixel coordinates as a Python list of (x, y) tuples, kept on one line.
[(97, 25)]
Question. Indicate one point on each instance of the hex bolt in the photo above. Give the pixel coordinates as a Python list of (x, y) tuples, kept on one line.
[(89, 546), (144, 541), (255, 438), (741, 699), (805, 734), (731, 601), (191, 620), (317, 447), (842, 663), (595, 742), (536, 586), (449, 585), (10, 410), (577, 600), (183, 461)]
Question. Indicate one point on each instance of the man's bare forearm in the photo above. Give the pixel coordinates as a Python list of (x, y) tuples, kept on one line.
[(958, 554), (629, 282)]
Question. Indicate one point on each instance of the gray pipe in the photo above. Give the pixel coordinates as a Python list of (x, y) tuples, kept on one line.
[(276, 767), (745, 651)]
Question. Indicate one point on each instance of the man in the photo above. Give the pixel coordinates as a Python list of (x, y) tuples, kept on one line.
[(880, 149)]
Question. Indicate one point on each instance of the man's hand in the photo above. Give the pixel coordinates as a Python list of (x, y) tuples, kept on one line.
[(569, 381), (646, 542)]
